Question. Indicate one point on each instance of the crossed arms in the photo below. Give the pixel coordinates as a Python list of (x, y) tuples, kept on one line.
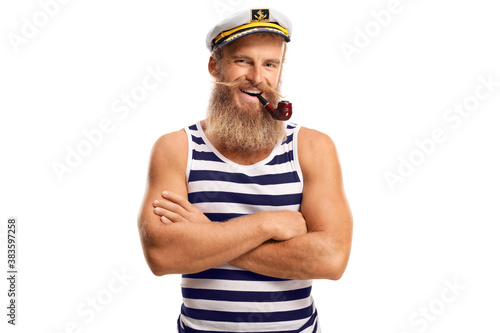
[(177, 238)]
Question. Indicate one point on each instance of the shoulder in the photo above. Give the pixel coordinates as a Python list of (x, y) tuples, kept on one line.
[(171, 141), (170, 151), (313, 142), (315, 150)]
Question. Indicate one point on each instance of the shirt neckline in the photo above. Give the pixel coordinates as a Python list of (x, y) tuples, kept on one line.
[(230, 162)]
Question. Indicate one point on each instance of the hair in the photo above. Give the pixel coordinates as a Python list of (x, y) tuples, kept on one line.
[(217, 53)]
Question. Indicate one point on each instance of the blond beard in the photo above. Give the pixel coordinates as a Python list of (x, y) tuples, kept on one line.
[(248, 130)]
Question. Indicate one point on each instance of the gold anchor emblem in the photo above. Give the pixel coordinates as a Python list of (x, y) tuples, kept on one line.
[(260, 15)]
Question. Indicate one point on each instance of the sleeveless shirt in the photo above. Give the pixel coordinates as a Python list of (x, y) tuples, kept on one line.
[(228, 299)]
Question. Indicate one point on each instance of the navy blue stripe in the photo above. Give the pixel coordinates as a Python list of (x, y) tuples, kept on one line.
[(281, 159), (248, 199), (231, 274), (221, 217), (289, 139), (205, 156), (246, 296), (247, 317), (193, 127), (240, 178), (197, 140), (310, 322)]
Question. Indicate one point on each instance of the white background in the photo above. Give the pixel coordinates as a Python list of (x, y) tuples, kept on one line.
[(438, 227)]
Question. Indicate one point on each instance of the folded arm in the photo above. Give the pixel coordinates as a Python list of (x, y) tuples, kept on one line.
[(324, 251), (177, 238)]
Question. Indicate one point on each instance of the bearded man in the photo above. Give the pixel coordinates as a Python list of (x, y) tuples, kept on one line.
[(249, 209)]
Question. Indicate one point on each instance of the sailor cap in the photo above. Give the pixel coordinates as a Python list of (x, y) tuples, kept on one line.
[(248, 22)]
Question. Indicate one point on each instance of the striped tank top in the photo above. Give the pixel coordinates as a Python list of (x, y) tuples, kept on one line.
[(228, 299)]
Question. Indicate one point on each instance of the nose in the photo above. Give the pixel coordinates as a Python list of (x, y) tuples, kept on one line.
[(254, 74)]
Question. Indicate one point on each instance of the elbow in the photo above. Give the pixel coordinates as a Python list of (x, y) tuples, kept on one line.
[(154, 253), (337, 260), (336, 266), (158, 264), (157, 270), (156, 258), (335, 271), (337, 274), (162, 254)]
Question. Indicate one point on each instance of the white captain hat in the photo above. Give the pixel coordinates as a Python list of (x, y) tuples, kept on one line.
[(248, 22)]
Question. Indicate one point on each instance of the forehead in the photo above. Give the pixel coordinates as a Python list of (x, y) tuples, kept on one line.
[(257, 43)]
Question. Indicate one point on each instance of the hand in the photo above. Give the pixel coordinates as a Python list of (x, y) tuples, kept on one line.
[(288, 224), (176, 209)]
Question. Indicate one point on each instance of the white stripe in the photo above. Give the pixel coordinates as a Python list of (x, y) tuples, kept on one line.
[(201, 147), (310, 329), (229, 266), (252, 172), (296, 153), (221, 186), (203, 304), (235, 285), (190, 153), (235, 208), (220, 326)]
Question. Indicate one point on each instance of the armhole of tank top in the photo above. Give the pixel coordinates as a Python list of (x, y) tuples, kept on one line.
[(190, 153), (296, 153)]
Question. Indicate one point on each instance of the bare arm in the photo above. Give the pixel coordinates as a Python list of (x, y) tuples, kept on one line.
[(324, 251), (184, 240)]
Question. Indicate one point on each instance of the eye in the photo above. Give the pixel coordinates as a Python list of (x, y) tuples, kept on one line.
[(271, 65)]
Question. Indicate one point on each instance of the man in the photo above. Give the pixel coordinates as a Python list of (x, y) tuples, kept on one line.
[(276, 186)]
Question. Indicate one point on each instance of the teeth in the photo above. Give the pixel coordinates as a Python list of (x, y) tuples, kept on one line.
[(252, 92)]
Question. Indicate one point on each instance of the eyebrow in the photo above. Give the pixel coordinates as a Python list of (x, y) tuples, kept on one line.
[(242, 56)]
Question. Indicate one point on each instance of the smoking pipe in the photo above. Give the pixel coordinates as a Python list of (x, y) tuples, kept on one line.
[(282, 112)]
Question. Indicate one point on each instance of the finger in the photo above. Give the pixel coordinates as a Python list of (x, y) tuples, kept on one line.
[(178, 199), (169, 215), (170, 206), (165, 220)]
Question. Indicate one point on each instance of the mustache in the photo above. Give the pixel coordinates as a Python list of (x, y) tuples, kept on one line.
[(245, 85)]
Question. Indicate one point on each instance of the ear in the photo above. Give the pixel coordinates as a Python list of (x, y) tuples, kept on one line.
[(212, 67)]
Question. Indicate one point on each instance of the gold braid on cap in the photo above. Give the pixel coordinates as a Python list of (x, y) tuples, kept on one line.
[(272, 26)]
